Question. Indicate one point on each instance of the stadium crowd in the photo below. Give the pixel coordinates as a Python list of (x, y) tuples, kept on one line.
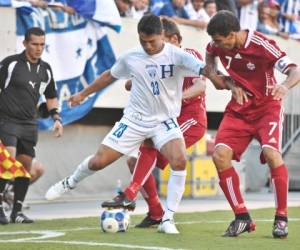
[(275, 17), (267, 16)]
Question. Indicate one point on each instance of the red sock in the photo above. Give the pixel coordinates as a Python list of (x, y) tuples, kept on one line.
[(143, 168), (280, 184), (230, 184), (150, 194)]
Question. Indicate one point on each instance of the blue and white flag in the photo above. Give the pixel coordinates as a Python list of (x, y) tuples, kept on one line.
[(77, 50), (102, 11)]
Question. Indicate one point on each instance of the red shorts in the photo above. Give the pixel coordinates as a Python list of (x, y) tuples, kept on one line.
[(237, 132), (192, 131)]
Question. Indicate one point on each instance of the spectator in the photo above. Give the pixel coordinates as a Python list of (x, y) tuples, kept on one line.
[(123, 6), (210, 7), (227, 5), (175, 10), (139, 9), (289, 15), (248, 13), (156, 6), (196, 11), (268, 16)]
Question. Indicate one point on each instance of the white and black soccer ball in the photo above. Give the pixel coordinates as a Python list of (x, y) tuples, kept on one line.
[(114, 221)]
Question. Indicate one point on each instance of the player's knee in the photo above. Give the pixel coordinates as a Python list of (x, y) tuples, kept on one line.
[(98, 162), (272, 157), (39, 169), (131, 161), (220, 158), (178, 162)]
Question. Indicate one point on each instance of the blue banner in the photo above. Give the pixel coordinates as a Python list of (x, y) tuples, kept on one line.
[(77, 50), (103, 11)]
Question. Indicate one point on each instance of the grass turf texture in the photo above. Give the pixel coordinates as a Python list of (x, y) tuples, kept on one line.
[(197, 231)]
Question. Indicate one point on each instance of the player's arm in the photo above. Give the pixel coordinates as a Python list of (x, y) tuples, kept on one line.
[(198, 88), (52, 106), (100, 83), (293, 78)]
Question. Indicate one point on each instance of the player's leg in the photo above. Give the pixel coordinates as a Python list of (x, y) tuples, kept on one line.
[(141, 169), (36, 171), (150, 194), (230, 146), (11, 168), (168, 139), (90, 165), (122, 139), (21, 185), (5, 156), (269, 130), (144, 165), (174, 151)]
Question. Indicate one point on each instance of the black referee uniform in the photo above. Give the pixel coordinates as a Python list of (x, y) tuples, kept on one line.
[(21, 85)]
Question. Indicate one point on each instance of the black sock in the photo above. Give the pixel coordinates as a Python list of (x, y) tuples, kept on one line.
[(281, 217), (20, 189), (2, 187), (243, 216)]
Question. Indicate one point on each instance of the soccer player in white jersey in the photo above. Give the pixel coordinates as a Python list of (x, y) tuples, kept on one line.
[(157, 70)]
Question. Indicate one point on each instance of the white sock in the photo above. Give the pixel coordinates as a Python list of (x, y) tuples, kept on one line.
[(81, 172), (176, 186)]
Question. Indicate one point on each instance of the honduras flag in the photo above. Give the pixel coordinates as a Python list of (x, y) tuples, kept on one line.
[(78, 51), (103, 11)]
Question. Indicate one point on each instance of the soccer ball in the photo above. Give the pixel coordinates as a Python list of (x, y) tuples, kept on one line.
[(114, 221)]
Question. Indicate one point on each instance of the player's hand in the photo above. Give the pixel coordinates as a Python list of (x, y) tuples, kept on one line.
[(239, 94), (278, 91), (208, 71), (58, 128), (76, 99)]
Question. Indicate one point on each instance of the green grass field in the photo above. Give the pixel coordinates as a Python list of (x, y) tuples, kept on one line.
[(198, 231)]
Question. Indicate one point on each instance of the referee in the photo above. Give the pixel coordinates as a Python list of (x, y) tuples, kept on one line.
[(23, 79)]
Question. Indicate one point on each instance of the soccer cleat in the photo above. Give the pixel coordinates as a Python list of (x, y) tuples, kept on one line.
[(20, 218), (58, 189), (3, 218), (280, 229), (238, 227), (148, 222), (167, 227), (120, 201)]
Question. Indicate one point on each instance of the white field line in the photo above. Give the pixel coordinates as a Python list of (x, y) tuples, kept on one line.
[(122, 246), (46, 234)]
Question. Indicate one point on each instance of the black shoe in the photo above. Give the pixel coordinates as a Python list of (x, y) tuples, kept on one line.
[(120, 201), (280, 229), (237, 227), (3, 218), (148, 222), (20, 218)]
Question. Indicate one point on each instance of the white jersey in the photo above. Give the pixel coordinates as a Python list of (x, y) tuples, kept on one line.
[(157, 81)]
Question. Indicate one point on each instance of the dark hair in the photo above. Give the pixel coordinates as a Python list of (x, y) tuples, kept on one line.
[(170, 28), (222, 23), (207, 2), (33, 31), (150, 25)]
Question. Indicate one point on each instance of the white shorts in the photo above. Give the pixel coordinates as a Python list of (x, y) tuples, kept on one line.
[(126, 137)]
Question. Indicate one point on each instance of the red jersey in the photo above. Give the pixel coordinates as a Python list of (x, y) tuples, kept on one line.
[(252, 67), (194, 106)]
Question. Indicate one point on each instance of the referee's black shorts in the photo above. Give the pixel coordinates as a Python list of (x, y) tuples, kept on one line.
[(21, 136)]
